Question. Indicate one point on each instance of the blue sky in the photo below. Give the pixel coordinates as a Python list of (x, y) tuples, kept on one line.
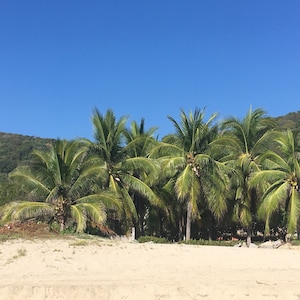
[(144, 59)]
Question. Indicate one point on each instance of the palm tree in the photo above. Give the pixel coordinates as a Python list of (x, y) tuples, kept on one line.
[(200, 181), (241, 144), (139, 143), (63, 184), (123, 174), (280, 180)]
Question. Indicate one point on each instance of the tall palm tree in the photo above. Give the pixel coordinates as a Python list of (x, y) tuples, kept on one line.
[(63, 184), (122, 174), (199, 179), (280, 180), (242, 142), (139, 143)]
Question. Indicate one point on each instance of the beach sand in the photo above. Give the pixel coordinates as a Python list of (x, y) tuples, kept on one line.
[(103, 269)]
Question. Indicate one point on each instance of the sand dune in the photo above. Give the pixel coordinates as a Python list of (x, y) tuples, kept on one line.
[(104, 269)]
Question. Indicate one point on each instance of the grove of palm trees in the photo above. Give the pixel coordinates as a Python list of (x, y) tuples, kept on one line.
[(209, 179)]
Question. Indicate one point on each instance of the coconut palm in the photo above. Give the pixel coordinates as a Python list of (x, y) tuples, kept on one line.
[(241, 144), (63, 185), (280, 180), (123, 174), (199, 179), (139, 143)]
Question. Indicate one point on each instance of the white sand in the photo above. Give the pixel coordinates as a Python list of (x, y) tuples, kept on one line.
[(66, 269)]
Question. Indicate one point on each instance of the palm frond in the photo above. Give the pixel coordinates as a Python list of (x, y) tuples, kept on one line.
[(183, 183), (87, 211), (24, 177), (261, 178), (216, 186), (79, 216), (113, 184), (18, 211), (139, 141), (141, 165), (294, 210), (203, 160), (90, 180), (275, 195), (194, 196), (243, 213), (171, 165), (178, 130), (166, 149), (272, 160), (140, 146), (225, 147), (108, 133), (109, 199), (128, 204), (142, 188)]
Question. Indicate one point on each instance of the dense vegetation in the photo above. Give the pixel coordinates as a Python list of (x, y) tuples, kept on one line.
[(15, 149), (205, 180)]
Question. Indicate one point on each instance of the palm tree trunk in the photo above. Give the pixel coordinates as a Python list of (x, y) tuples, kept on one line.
[(188, 222), (211, 227), (298, 230), (62, 226), (249, 234), (181, 226)]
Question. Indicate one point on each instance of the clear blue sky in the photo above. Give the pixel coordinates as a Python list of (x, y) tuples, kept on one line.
[(61, 58)]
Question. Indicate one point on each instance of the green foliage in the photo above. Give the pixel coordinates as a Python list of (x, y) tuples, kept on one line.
[(247, 144), (153, 239), (209, 243), (127, 171), (280, 180), (289, 121), (133, 179), (15, 149), (58, 176), (9, 192), (295, 242), (185, 157), (7, 237)]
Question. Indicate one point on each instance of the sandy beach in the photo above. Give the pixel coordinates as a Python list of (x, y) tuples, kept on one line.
[(104, 269)]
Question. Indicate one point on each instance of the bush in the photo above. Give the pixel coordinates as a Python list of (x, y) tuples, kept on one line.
[(156, 240), (209, 243)]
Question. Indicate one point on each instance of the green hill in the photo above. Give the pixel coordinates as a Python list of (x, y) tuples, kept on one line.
[(291, 120), (16, 149)]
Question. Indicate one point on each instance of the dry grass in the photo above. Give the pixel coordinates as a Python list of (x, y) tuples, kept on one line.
[(26, 230), (40, 231)]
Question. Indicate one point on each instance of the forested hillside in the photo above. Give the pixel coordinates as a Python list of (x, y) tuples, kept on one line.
[(291, 120), (16, 149)]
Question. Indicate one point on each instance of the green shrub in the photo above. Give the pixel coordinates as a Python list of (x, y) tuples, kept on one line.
[(209, 243), (156, 240), (295, 242)]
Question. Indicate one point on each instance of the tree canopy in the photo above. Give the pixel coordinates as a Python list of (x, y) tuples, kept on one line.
[(205, 179)]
